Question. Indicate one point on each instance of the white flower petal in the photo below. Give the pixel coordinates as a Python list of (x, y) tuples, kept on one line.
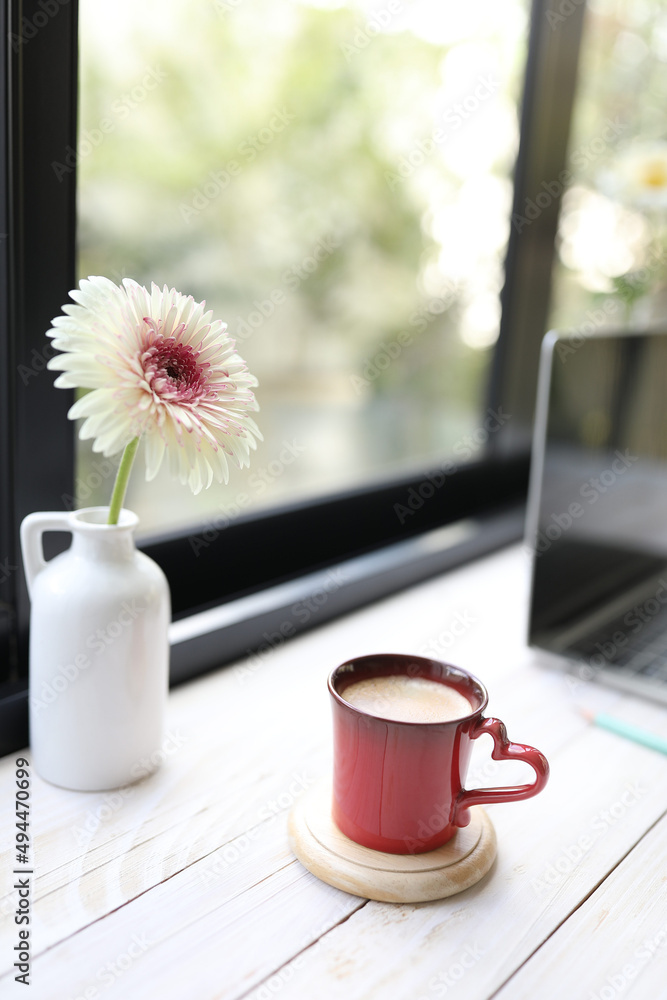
[(155, 449)]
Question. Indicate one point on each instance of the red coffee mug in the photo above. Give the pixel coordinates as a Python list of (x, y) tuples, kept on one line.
[(398, 786)]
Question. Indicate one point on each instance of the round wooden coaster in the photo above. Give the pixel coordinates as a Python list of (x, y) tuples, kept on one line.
[(391, 878)]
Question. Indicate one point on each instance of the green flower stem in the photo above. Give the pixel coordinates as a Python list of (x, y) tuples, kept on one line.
[(122, 476)]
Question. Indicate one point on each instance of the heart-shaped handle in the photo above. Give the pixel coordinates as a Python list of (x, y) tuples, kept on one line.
[(503, 749)]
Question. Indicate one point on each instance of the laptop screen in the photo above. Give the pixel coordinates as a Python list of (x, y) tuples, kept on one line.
[(598, 500)]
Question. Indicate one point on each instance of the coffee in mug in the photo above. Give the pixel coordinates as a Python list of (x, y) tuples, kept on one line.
[(407, 699)]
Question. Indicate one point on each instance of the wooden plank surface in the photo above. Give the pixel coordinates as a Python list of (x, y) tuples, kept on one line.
[(624, 927), (542, 874), (195, 858)]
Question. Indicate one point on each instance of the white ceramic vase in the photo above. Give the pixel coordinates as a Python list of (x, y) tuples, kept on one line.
[(99, 651)]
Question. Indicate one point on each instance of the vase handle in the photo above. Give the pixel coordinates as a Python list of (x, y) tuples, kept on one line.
[(32, 528)]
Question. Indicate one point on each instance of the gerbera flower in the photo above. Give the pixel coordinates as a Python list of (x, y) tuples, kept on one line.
[(160, 369)]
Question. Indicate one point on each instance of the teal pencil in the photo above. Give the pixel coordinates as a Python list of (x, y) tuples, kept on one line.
[(626, 729)]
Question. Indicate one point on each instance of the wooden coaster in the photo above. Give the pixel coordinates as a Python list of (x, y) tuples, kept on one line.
[(391, 878)]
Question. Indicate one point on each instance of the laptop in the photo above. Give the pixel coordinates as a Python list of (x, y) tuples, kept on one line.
[(597, 509)]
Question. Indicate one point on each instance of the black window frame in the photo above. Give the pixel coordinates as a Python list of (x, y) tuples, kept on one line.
[(289, 550)]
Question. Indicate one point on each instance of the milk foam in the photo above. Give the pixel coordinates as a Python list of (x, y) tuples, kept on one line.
[(407, 699)]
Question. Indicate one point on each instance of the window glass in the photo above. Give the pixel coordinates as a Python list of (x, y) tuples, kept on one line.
[(612, 246), (335, 179)]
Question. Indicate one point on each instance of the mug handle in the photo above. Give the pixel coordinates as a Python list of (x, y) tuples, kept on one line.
[(503, 749), (32, 528)]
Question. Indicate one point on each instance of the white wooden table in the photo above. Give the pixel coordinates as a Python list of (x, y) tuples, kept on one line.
[(183, 886)]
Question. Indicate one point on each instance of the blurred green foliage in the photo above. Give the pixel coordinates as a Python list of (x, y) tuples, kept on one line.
[(611, 249), (267, 130)]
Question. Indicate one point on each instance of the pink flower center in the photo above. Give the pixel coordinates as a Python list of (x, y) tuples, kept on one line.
[(172, 370)]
